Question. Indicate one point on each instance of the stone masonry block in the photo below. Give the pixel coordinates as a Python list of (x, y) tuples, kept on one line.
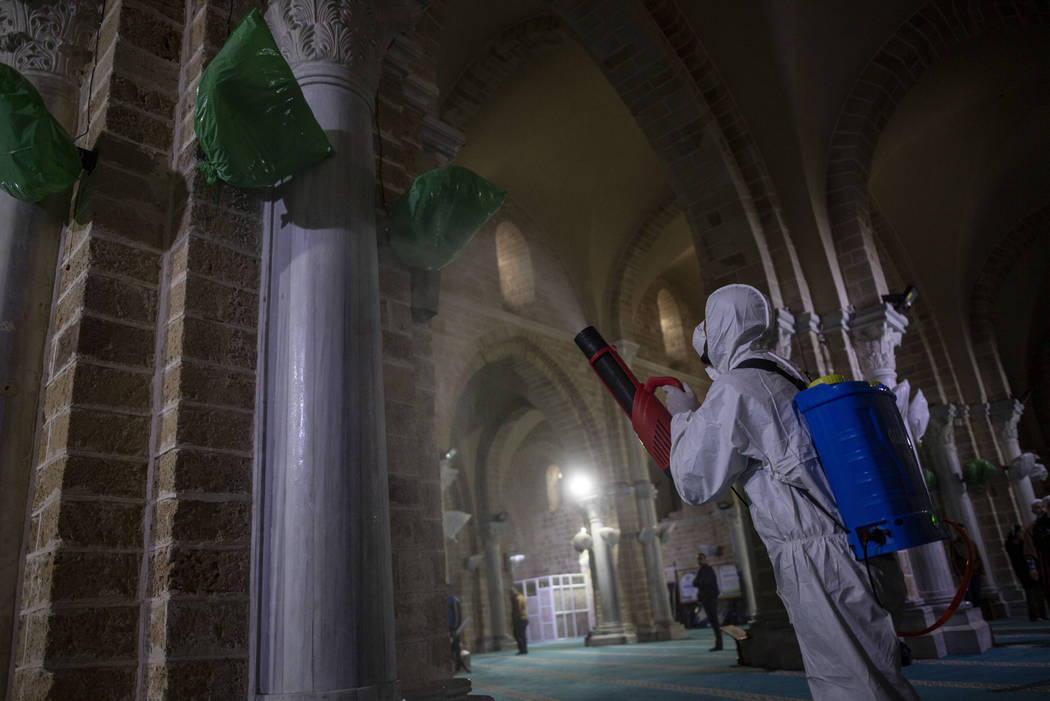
[(199, 679), (239, 230), (109, 433), (94, 575), (215, 302), (100, 523), (194, 571), (210, 342), (223, 263), (195, 470), (94, 684), (158, 35), (113, 342), (82, 475), (207, 628), (99, 385), (202, 383), (211, 427), (92, 634), (189, 521)]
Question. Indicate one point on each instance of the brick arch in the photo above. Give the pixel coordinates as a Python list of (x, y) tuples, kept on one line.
[(664, 77), (996, 267), (928, 35), (500, 59), (624, 278), (725, 123), (550, 389)]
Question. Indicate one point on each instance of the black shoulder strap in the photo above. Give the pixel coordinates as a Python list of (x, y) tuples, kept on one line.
[(770, 366)]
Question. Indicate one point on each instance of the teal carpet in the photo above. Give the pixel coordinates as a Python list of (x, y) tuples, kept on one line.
[(1017, 668)]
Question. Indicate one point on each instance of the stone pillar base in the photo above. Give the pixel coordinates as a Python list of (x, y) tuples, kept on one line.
[(997, 605), (611, 635), (966, 632), (455, 688), (769, 645), (661, 630)]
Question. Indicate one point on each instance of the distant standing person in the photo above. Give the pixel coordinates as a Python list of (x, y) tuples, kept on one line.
[(519, 618), (1023, 567), (706, 583)]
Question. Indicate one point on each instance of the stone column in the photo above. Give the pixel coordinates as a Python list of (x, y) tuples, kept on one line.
[(325, 618), (651, 536), (610, 629), (771, 641), (939, 447), (876, 333), (491, 536), (1005, 416), (44, 42), (735, 519)]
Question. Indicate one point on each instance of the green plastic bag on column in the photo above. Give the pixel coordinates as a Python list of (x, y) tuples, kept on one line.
[(251, 118), (976, 473), (439, 215), (37, 156)]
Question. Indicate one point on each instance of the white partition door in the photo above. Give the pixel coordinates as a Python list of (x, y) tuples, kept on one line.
[(560, 606)]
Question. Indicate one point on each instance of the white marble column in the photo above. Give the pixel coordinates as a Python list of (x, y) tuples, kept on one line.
[(876, 333), (45, 43), (325, 619), (943, 456), (497, 594), (610, 629), (651, 535), (1005, 416)]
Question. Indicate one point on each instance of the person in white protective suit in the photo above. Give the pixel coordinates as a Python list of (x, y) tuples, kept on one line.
[(748, 430)]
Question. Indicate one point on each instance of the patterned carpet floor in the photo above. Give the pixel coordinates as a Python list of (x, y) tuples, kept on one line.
[(1016, 668)]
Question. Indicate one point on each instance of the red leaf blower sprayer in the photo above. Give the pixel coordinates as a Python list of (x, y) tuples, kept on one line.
[(651, 421)]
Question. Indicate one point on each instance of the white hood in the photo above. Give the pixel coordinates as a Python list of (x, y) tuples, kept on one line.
[(737, 321)]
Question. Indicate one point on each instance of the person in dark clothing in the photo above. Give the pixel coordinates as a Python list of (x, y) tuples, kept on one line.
[(706, 583), (1023, 568), (455, 627), (519, 618)]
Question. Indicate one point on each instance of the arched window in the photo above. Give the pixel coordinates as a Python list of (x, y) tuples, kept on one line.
[(515, 265), (671, 324), (553, 488)]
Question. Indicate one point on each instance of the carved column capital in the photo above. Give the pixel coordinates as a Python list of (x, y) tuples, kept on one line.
[(876, 332), (47, 36), (354, 34), (784, 323), (1005, 416), (940, 430)]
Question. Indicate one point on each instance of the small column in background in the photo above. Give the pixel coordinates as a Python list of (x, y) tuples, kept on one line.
[(610, 629)]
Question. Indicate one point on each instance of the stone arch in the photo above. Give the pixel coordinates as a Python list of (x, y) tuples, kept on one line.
[(625, 274), (549, 388), (990, 279), (926, 36), (678, 101), (498, 60), (726, 125)]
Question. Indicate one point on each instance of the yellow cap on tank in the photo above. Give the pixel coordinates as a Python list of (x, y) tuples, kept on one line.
[(827, 380)]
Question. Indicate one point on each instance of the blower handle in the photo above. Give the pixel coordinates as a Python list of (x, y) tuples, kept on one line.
[(653, 382)]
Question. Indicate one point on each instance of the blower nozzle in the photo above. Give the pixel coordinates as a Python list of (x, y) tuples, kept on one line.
[(650, 420)]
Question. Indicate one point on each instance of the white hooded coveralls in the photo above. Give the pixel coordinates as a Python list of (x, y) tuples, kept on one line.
[(747, 429)]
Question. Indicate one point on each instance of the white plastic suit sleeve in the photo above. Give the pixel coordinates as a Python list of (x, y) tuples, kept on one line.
[(706, 457)]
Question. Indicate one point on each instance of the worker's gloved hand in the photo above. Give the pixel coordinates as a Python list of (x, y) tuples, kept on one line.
[(680, 400)]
